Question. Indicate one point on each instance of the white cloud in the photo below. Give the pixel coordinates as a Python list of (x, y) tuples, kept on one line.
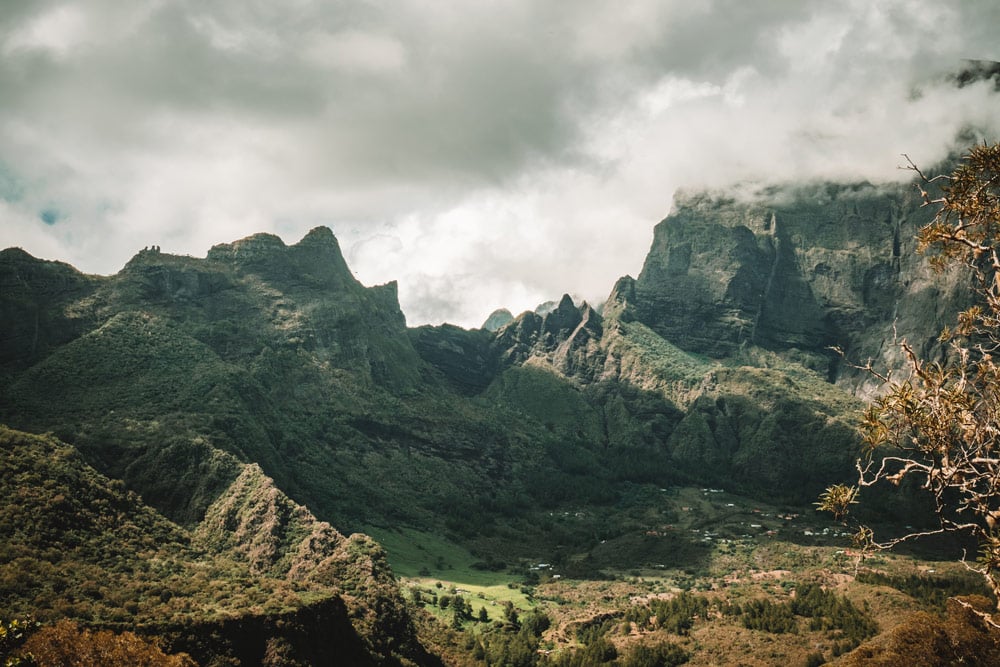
[(483, 156), (58, 32), (355, 50)]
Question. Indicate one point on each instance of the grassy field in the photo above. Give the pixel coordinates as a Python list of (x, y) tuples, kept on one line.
[(437, 567), (713, 544)]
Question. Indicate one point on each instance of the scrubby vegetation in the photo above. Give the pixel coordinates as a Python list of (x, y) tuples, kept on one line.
[(66, 643), (79, 546), (934, 591), (675, 615)]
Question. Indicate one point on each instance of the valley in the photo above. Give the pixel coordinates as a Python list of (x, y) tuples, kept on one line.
[(722, 549), (298, 478)]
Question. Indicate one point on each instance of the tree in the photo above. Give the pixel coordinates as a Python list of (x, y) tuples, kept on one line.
[(938, 423)]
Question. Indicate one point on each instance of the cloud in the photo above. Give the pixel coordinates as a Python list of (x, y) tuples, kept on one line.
[(482, 155)]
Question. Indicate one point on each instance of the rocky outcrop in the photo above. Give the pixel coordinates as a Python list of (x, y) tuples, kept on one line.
[(162, 278), (802, 269), (255, 521), (250, 250), (580, 345), (531, 334), (497, 319)]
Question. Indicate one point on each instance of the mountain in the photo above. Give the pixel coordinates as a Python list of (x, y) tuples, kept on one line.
[(716, 365), (796, 270), (280, 588), (497, 319), (263, 404), (704, 369)]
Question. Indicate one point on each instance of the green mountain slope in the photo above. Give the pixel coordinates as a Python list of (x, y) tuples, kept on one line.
[(275, 355), (78, 545), (261, 396)]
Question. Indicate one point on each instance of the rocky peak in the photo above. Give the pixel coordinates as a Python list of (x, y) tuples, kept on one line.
[(319, 237), (314, 261), (497, 319), (515, 340), (250, 249), (256, 522), (562, 320), (622, 294), (321, 248), (590, 320)]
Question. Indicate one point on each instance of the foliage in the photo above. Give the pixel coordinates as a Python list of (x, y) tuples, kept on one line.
[(962, 637), (932, 590), (662, 654), (940, 422), (515, 644), (837, 500), (831, 612), (13, 634), (676, 615), (768, 616), (66, 643), (826, 611)]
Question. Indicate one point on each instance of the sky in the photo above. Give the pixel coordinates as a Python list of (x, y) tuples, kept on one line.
[(483, 154)]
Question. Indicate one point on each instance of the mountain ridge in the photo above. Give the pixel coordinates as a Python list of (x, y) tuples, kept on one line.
[(262, 396)]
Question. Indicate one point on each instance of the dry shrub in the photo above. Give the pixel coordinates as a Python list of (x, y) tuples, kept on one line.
[(66, 644), (924, 640)]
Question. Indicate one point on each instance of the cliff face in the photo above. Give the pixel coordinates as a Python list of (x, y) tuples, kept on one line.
[(798, 269), (722, 273), (715, 363)]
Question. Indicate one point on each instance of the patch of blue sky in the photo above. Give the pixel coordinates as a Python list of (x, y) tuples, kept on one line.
[(50, 215)]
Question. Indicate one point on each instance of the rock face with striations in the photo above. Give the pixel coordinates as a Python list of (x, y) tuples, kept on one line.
[(799, 269), (714, 363)]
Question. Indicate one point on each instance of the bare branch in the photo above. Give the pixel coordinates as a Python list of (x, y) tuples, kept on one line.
[(940, 424)]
